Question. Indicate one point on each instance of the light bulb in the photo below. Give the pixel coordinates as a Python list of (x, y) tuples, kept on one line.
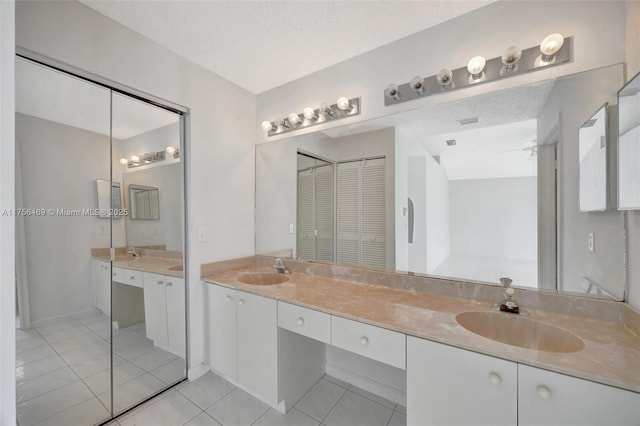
[(135, 158), (344, 104), (445, 77), (267, 125), (511, 57), (551, 44), (124, 161), (171, 150), (391, 91), (417, 84), (294, 118), (326, 109), (309, 113), (476, 66)]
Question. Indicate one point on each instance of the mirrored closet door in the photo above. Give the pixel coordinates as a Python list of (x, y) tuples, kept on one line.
[(101, 292)]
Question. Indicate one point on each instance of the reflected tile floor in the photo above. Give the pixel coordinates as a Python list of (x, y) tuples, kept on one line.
[(63, 370), (212, 401)]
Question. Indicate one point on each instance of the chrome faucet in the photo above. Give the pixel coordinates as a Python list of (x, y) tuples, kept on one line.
[(279, 266), (132, 251), (509, 303)]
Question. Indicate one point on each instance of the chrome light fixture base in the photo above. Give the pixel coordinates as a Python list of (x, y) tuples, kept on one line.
[(494, 70)]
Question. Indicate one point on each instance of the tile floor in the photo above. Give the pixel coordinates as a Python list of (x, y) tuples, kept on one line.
[(212, 401), (63, 370)]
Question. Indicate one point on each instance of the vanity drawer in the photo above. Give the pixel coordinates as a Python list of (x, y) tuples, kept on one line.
[(127, 276), (373, 342), (310, 323)]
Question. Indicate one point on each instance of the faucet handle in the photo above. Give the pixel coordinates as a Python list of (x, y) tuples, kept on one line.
[(506, 282)]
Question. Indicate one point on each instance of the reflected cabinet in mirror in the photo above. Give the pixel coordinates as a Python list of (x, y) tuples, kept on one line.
[(418, 192), (629, 146)]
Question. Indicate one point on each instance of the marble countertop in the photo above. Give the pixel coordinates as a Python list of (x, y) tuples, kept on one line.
[(155, 265), (611, 354)]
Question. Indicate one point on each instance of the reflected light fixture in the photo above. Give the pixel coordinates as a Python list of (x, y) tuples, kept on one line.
[(548, 49), (391, 91), (171, 150), (344, 104), (294, 118), (343, 108), (135, 159), (417, 84), (476, 67), (310, 114), (445, 77), (510, 58), (124, 161), (268, 125)]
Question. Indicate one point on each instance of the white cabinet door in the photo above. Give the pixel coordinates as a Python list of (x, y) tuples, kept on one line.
[(451, 386), (176, 319), (155, 309), (222, 330), (102, 285), (257, 327), (547, 398)]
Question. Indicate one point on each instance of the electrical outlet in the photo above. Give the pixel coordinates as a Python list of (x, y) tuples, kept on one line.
[(202, 234), (591, 245)]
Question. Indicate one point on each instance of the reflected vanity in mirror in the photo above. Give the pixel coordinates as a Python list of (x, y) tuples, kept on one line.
[(144, 203), (629, 146), (593, 162), (485, 198)]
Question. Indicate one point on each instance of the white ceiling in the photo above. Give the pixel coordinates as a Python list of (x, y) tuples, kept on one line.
[(51, 95), (260, 45)]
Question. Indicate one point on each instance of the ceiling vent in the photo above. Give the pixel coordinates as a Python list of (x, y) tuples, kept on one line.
[(451, 142), (470, 120)]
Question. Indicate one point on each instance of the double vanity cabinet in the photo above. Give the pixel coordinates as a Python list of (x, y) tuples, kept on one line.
[(155, 299), (274, 348)]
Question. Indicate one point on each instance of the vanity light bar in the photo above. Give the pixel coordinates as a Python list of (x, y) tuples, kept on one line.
[(554, 50), (144, 159), (343, 108)]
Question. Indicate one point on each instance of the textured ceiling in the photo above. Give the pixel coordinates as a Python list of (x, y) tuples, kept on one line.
[(260, 45)]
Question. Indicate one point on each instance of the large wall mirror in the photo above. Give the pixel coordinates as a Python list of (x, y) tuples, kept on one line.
[(104, 333), (419, 192)]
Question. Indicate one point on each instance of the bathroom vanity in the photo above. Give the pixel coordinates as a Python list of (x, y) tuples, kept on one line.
[(413, 328)]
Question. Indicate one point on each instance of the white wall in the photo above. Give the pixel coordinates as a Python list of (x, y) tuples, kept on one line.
[(597, 28), (633, 224), (168, 229), (494, 218), (7, 223), (59, 247), (220, 154)]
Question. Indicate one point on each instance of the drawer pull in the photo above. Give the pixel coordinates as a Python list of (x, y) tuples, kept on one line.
[(132, 277), (169, 283), (241, 302), (495, 378), (159, 282), (114, 274), (544, 392), (364, 340), (300, 321), (229, 299)]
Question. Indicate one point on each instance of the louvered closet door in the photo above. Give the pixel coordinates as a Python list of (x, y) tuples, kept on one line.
[(348, 212), (373, 217), (306, 220), (324, 211)]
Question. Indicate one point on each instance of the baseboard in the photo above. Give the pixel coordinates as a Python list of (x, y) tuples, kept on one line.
[(197, 371), (38, 323), (381, 389)]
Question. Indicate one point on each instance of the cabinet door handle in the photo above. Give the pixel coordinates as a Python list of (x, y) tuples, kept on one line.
[(114, 274), (169, 283), (495, 378), (364, 340), (132, 277), (544, 392), (229, 298), (300, 321), (241, 302), (159, 282)]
